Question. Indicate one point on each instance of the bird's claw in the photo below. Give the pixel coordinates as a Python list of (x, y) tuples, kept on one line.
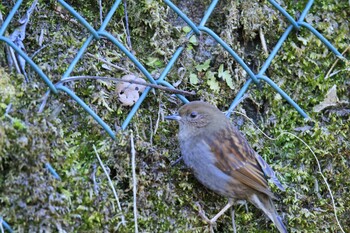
[(201, 213)]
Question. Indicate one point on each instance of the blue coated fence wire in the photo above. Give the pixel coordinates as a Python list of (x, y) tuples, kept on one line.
[(52, 171), (168, 67), (9, 17), (301, 22), (101, 33), (93, 31), (5, 225)]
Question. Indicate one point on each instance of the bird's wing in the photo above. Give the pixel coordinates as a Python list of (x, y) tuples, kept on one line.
[(237, 159), (269, 173)]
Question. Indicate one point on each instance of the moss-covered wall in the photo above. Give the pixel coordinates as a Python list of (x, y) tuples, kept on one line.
[(31, 200)]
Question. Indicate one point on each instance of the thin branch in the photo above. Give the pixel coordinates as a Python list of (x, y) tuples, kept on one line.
[(109, 63), (44, 99), (37, 51), (159, 115), (93, 177), (101, 13), (74, 78), (335, 63), (14, 58), (338, 71), (134, 180), (151, 131), (127, 26), (263, 41), (111, 185)]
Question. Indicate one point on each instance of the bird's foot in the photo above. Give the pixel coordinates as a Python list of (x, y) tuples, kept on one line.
[(211, 222)]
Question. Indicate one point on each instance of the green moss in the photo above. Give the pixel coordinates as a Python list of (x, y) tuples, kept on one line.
[(63, 135)]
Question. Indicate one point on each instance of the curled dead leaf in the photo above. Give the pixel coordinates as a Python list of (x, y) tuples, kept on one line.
[(129, 93)]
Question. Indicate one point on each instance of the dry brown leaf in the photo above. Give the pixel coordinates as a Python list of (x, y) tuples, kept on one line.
[(330, 100), (128, 93)]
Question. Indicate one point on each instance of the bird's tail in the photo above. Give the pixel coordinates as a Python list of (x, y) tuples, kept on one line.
[(265, 203)]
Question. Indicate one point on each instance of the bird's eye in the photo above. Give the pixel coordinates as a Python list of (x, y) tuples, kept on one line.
[(194, 114)]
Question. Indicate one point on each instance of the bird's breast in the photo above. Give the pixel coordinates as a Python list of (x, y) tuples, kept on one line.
[(201, 161)]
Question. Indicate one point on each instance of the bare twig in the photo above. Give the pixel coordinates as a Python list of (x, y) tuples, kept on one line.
[(151, 131), (228, 113), (109, 63), (93, 177), (335, 63), (12, 58), (134, 180), (338, 71), (101, 15), (127, 26), (8, 109), (263, 41), (44, 99), (37, 51), (74, 78), (160, 110), (111, 185), (18, 36), (233, 219), (176, 162)]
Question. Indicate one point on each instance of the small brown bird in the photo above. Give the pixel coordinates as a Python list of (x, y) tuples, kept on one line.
[(222, 160)]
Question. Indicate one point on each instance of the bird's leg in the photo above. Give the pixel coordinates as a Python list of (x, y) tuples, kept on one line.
[(202, 213), (212, 221), (204, 217), (243, 202), (233, 219), (229, 204)]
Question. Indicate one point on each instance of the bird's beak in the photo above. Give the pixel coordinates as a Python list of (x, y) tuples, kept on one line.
[(175, 117)]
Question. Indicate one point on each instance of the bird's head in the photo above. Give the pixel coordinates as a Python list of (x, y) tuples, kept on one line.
[(199, 117)]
